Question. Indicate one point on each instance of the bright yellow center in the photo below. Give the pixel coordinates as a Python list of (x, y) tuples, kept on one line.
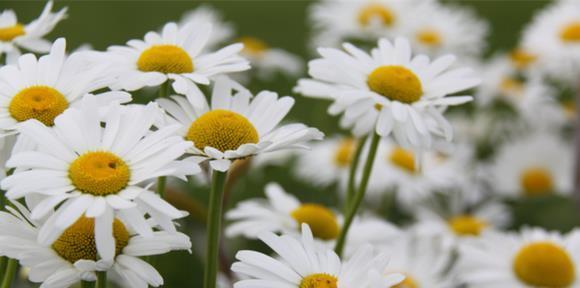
[(536, 181), (403, 159), (99, 173), (376, 12), (321, 220), (42, 103), (11, 32), (78, 241), (319, 281), (254, 46), (344, 153), (223, 130), (569, 107), (409, 282), (467, 225), (522, 59), (165, 59), (571, 33), (511, 86), (397, 83), (429, 37), (544, 264)]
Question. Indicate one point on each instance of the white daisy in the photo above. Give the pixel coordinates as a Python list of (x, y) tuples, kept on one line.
[(14, 35), (536, 165), (266, 60), (236, 125), (301, 264), (73, 256), (44, 88), (535, 258), (87, 166), (554, 37), (221, 31), (389, 90), (435, 29), (176, 54)]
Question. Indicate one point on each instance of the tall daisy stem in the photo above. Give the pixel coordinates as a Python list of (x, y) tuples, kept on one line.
[(101, 279), (164, 91), (10, 271), (360, 194), (87, 284), (214, 228), (351, 186)]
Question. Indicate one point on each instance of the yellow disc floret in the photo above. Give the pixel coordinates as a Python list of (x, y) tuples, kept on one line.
[(344, 152), (409, 282), (403, 159), (544, 264), (99, 173), (429, 37), (78, 241), (165, 59), (536, 181), (375, 12), (42, 103), (571, 32), (254, 46), (223, 130), (11, 32), (521, 58), (397, 83), (467, 225), (321, 220), (320, 280)]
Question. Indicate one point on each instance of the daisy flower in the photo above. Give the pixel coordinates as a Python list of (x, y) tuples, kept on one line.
[(534, 258), (236, 125), (554, 37), (389, 91), (267, 60), (73, 256), (14, 35), (44, 88), (221, 31), (435, 29), (514, 172), (301, 264), (176, 54), (85, 165)]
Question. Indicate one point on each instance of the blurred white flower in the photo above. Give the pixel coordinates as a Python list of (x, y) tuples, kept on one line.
[(266, 60), (222, 31)]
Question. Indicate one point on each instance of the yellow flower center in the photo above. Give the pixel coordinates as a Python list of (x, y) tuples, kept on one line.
[(522, 59), (78, 241), (569, 107), (429, 37), (511, 86), (397, 83), (254, 46), (467, 225), (344, 153), (403, 159), (42, 103), (165, 59), (544, 264), (376, 11), (223, 130), (536, 181), (409, 282), (321, 220), (571, 33), (99, 173), (11, 32), (319, 281)]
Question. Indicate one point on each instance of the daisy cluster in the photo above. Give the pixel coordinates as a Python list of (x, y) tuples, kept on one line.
[(111, 158)]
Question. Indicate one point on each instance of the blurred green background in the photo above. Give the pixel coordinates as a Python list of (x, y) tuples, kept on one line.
[(281, 24)]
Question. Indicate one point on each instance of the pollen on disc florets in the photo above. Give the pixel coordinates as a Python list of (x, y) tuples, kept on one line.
[(344, 152), (165, 59), (375, 11), (11, 32), (571, 32), (320, 280), (223, 130), (536, 181), (396, 83), (99, 173), (78, 241), (403, 159), (544, 264), (429, 37), (467, 225), (42, 103), (321, 220)]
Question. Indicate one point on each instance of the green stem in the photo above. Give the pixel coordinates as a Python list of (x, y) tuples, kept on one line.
[(165, 89), (101, 279), (359, 196), (214, 228), (352, 173), (3, 262), (161, 181), (11, 268), (88, 284)]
